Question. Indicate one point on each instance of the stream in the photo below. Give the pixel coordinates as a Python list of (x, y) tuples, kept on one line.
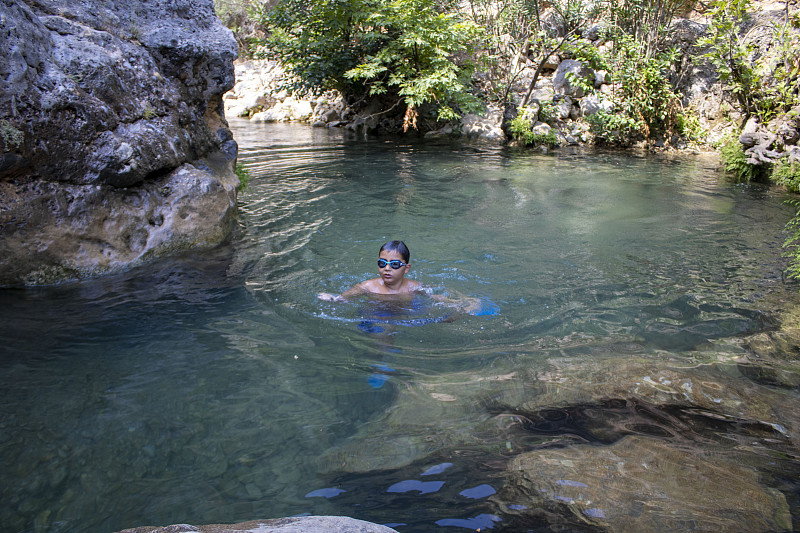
[(607, 381)]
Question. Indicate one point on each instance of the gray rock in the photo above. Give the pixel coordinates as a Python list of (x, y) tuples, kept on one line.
[(446, 131), (793, 154), (751, 126), (103, 105), (304, 524), (486, 127), (564, 108), (592, 104), (601, 77), (542, 95), (567, 72), (594, 32), (541, 128)]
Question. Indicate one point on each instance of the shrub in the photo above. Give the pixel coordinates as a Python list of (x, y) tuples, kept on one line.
[(792, 244), (244, 176), (12, 137), (730, 53), (788, 175), (645, 103), (688, 125), (735, 160), (522, 130), (547, 112), (416, 57)]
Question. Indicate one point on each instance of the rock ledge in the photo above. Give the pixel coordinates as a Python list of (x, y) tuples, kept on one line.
[(303, 524)]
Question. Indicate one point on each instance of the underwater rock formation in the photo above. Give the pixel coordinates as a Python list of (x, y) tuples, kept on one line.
[(646, 485), (114, 144)]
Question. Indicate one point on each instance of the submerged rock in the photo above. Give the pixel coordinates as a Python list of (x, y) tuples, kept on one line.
[(497, 407), (114, 143), (645, 485)]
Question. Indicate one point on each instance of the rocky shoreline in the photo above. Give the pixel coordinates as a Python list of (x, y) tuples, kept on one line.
[(258, 96)]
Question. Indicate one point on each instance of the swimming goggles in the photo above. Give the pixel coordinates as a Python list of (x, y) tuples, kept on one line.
[(395, 263)]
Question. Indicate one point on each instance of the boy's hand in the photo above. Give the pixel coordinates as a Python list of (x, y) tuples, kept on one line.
[(328, 297), (471, 305)]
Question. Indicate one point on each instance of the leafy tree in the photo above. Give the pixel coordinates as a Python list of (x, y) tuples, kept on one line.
[(730, 53), (779, 68), (317, 42), (405, 49), (509, 27), (572, 17), (646, 21), (416, 59)]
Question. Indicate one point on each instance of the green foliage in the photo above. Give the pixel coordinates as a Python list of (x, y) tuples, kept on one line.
[(731, 54), (788, 175), (522, 130), (12, 137), (547, 112), (792, 244), (244, 176), (780, 70), (149, 113), (587, 53), (568, 18), (506, 27), (646, 21), (416, 57), (688, 125), (317, 42), (580, 82), (497, 18), (573, 15), (764, 84), (645, 103), (614, 128), (735, 160), (405, 49)]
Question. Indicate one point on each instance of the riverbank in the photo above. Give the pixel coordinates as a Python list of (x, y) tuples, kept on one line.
[(572, 104)]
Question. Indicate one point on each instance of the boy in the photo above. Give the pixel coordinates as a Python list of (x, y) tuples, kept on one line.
[(393, 265)]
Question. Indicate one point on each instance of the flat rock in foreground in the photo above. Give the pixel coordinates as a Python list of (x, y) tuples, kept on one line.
[(304, 524)]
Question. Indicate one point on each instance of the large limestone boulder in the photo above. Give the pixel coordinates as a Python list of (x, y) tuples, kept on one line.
[(114, 143)]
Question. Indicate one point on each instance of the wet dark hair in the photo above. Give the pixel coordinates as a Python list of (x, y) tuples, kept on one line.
[(396, 246)]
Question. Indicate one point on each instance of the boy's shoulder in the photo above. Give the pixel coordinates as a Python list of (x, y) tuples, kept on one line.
[(371, 285), (412, 285)]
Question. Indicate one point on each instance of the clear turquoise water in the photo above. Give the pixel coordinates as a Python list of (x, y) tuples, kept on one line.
[(216, 387)]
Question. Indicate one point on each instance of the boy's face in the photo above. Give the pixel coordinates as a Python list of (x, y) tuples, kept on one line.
[(389, 275)]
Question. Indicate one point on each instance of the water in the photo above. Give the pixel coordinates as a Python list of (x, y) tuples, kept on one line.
[(216, 387)]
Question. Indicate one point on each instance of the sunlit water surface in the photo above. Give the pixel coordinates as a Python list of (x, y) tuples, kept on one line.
[(212, 388)]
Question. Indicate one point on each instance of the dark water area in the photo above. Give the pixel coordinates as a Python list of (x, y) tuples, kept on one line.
[(618, 296)]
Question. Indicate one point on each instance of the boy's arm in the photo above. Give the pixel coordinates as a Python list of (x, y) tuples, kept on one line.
[(358, 289), (462, 303)]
